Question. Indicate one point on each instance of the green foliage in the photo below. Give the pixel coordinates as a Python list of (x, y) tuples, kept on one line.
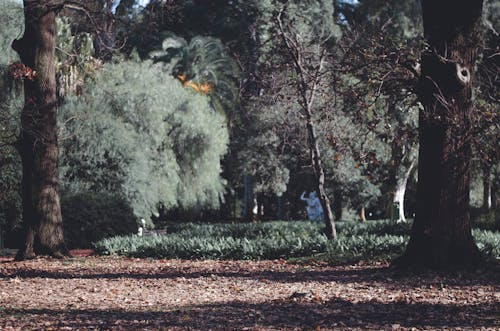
[(137, 133), (75, 61), (313, 20), (223, 241), (11, 28), (398, 17), (10, 163), (487, 221), (261, 153), (10, 181), (202, 61), (90, 216), (379, 228), (366, 247), (356, 241), (488, 242)]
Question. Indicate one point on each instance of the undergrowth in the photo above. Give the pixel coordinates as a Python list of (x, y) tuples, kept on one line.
[(373, 240)]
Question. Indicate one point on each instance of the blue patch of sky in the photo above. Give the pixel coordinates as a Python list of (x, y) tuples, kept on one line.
[(138, 4)]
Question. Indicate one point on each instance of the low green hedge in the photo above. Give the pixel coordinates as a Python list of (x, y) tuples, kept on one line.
[(223, 241), (373, 240)]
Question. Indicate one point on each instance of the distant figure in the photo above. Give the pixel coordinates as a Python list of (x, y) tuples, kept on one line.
[(314, 209)]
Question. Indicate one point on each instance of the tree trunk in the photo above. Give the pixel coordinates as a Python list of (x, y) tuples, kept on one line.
[(337, 204), (494, 193), (38, 147), (486, 207), (399, 192), (362, 214), (319, 174), (248, 198), (441, 234), (308, 89), (280, 215)]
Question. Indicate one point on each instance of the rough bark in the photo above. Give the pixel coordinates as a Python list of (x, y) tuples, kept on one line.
[(441, 234), (38, 142)]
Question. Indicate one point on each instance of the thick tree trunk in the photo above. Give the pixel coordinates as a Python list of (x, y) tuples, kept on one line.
[(441, 234), (40, 187)]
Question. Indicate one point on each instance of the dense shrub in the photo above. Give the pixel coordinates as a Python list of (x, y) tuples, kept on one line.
[(89, 217)]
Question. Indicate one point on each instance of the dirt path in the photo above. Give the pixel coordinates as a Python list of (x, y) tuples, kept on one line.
[(131, 294)]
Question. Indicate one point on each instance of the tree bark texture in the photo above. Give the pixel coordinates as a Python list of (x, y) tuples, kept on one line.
[(38, 142), (441, 234)]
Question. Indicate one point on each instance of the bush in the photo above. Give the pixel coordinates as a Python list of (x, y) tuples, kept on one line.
[(487, 221), (271, 240), (382, 227), (366, 247), (488, 242), (89, 217), (223, 241)]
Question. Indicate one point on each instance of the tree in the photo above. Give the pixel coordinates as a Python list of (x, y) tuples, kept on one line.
[(486, 135), (204, 66), (386, 38), (441, 234), (137, 133), (308, 56), (38, 142)]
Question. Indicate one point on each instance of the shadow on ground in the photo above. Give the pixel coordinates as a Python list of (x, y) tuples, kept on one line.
[(282, 315), (386, 276)]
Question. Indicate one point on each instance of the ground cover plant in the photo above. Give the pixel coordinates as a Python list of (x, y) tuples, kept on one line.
[(373, 240)]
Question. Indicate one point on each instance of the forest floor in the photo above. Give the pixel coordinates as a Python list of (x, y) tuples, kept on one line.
[(103, 293)]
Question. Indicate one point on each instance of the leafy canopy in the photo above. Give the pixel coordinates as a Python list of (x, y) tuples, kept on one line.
[(138, 133)]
